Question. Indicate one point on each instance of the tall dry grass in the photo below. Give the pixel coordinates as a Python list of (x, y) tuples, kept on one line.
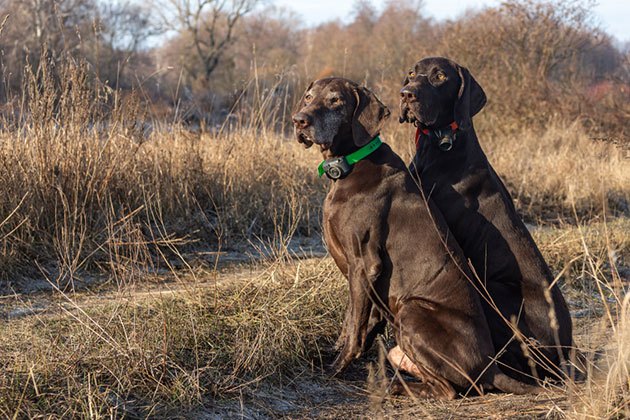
[(91, 181), (232, 341), (606, 395), (553, 171)]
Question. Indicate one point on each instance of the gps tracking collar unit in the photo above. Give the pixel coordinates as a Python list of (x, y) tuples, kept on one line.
[(338, 167), (445, 136)]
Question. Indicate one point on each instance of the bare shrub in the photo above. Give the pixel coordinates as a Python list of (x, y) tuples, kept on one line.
[(537, 62), (81, 168)]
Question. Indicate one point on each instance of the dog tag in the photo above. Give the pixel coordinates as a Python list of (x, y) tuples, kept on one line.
[(446, 143)]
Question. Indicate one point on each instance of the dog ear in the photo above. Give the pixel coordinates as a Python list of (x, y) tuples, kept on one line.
[(470, 99), (368, 118)]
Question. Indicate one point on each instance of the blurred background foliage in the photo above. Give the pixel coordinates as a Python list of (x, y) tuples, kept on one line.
[(203, 61)]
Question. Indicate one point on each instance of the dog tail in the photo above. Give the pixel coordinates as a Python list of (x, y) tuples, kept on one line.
[(506, 384)]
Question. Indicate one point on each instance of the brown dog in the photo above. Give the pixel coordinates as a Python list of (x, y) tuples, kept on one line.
[(396, 256), (440, 97)]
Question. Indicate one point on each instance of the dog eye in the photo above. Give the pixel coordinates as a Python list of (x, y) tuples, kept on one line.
[(440, 76), (308, 97), (412, 74), (334, 100)]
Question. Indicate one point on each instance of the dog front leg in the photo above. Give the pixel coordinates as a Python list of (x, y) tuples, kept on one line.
[(376, 326), (362, 324)]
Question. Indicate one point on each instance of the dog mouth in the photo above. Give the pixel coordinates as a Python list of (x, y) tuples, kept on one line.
[(308, 140), (406, 115), (409, 114), (304, 139)]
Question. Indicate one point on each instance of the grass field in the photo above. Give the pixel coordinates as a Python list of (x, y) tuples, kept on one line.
[(251, 339), (165, 272)]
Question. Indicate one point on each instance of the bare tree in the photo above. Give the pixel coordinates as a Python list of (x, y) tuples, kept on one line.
[(40, 28), (126, 25), (209, 26), (35, 23), (123, 27)]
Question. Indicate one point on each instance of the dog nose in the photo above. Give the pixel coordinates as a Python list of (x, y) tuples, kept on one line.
[(407, 94), (301, 120)]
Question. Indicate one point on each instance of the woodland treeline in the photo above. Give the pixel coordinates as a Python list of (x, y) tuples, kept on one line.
[(202, 61)]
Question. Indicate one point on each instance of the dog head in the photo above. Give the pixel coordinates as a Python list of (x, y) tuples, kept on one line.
[(438, 91), (338, 115)]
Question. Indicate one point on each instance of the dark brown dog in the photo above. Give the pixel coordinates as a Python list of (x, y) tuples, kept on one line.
[(396, 256), (440, 97)]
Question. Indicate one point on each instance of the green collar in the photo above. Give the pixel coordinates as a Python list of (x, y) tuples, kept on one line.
[(360, 154)]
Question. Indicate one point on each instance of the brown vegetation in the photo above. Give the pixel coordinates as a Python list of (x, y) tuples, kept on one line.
[(111, 184), (538, 61), (224, 341)]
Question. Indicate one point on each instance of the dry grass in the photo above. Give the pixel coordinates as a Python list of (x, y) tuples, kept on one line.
[(87, 184), (214, 337), (151, 353), (548, 170), (607, 394), (552, 171), (90, 182)]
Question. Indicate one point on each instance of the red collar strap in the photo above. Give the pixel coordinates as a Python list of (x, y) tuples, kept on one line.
[(438, 133)]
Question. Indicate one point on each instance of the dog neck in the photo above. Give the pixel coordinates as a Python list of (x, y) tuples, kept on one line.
[(341, 166), (444, 137), (342, 143), (465, 153)]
